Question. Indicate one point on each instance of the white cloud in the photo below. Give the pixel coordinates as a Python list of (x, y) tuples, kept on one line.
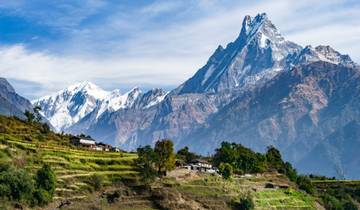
[(55, 72), (168, 55)]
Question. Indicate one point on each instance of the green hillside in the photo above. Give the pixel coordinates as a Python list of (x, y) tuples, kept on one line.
[(204, 191), (29, 146)]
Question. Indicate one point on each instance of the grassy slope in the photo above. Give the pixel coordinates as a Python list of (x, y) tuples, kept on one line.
[(213, 191), (25, 146), (339, 189), (206, 192)]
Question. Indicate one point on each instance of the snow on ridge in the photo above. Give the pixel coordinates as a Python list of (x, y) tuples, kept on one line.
[(68, 106), (86, 86), (116, 101), (157, 100)]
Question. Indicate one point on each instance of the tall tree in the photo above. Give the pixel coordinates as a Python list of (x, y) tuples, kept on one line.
[(146, 163), (38, 116), (226, 170), (164, 150), (186, 155), (29, 116), (274, 158)]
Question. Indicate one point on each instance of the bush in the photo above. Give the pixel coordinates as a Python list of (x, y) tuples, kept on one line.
[(96, 181), (349, 205), (304, 183), (46, 180), (45, 128), (226, 170), (289, 171), (245, 203), (16, 184), (41, 197), (331, 203)]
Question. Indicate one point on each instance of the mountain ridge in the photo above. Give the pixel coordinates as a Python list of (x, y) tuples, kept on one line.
[(12, 104), (70, 105)]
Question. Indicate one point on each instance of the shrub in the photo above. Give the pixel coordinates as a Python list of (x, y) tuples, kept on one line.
[(96, 181), (30, 117), (41, 197), (40, 137), (331, 203), (226, 170), (349, 205), (304, 183), (2, 129), (45, 128), (245, 203), (16, 184), (46, 180), (289, 171)]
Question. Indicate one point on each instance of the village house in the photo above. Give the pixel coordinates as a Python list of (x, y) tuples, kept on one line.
[(103, 147), (90, 143), (115, 149), (200, 166), (84, 141)]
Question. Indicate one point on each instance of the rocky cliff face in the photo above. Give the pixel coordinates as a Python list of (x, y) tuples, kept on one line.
[(12, 104)]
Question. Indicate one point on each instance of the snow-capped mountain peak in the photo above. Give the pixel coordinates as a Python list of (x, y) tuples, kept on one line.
[(115, 101), (67, 107), (250, 25), (259, 52), (322, 53), (88, 88), (70, 105)]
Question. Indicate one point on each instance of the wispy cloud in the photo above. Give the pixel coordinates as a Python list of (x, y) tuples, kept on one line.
[(157, 43)]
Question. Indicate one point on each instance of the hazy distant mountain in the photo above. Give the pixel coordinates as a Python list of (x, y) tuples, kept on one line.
[(260, 90), (12, 104)]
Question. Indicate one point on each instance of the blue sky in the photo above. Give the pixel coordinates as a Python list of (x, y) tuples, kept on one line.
[(46, 45)]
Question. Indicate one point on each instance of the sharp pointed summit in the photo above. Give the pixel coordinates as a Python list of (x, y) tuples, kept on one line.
[(251, 25), (256, 55)]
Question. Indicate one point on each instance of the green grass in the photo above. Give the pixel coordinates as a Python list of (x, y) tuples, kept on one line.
[(283, 199), (214, 191)]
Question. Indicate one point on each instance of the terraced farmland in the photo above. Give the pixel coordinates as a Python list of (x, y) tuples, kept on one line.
[(28, 146), (283, 199), (214, 192)]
